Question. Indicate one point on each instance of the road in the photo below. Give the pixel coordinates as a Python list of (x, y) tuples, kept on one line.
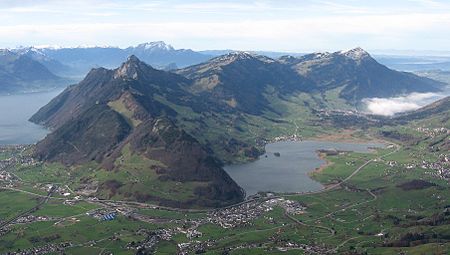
[(183, 210), (328, 188), (299, 222), (146, 205), (153, 206), (43, 201), (343, 209)]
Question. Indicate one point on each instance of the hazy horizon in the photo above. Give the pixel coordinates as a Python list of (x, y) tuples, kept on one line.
[(379, 52), (290, 26)]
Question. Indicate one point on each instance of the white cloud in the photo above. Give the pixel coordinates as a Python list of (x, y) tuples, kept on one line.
[(393, 105)]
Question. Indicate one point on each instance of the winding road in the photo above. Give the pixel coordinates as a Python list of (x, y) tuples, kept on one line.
[(296, 221)]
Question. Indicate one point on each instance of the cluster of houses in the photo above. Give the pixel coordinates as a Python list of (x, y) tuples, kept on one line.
[(290, 206), (307, 249), (244, 214), (433, 132), (45, 249), (5, 230), (236, 216), (439, 169), (231, 217), (152, 238), (194, 247), (6, 176), (16, 158), (293, 138), (32, 218), (103, 214), (284, 246)]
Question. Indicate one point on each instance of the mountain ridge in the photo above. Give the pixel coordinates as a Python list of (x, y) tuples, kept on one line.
[(359, 75), (77, 61), (240, 79), (21, 74), (204, 110), (115, 110)]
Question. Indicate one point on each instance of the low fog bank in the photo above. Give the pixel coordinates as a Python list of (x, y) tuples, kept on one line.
[(393, 105)]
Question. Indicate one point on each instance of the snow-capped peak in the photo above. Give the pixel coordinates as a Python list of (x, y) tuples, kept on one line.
[(356, 53), (241, 55), (5, 52), (159, 45), (30, 50), (48, 46), (323, 54), (58, 47)]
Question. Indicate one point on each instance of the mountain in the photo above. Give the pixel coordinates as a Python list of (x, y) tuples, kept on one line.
[(162, 54), (80, 60), (242, 81), (20, 73), (145, 128), (51, 64), (354, 73), (245, 81), (428, 126), (357, 75), (122, 121), (270, 54)]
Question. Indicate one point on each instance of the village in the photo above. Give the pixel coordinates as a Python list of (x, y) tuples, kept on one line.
[(433, 132), (439, 169), (239, 216)]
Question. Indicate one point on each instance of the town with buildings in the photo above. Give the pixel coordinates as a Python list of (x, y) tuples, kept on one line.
[(239, 216)]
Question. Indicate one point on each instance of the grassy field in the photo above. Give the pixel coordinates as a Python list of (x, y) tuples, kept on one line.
[(386, 208)]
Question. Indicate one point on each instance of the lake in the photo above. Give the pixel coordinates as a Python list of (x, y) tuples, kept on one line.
[(288, 172), (15, 110)]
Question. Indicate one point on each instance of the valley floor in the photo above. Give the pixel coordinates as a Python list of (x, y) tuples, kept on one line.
[(391, 201)]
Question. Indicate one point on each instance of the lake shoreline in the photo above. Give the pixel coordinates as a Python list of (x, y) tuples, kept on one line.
[(320, 169), (293, 168), (15, 127)]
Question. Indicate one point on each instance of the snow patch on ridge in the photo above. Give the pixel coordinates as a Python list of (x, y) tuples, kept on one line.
[(158, 45), (356, 54)]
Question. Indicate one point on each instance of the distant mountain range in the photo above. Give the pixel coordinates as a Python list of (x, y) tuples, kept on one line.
[(174, 128), (20, 73), (270, 54), (76, 62)]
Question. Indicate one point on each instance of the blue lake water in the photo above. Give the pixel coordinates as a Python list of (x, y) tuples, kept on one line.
[(15, 110), (289, 171)]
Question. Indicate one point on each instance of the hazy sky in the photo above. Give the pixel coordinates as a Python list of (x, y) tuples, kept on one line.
[(291, 25)]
